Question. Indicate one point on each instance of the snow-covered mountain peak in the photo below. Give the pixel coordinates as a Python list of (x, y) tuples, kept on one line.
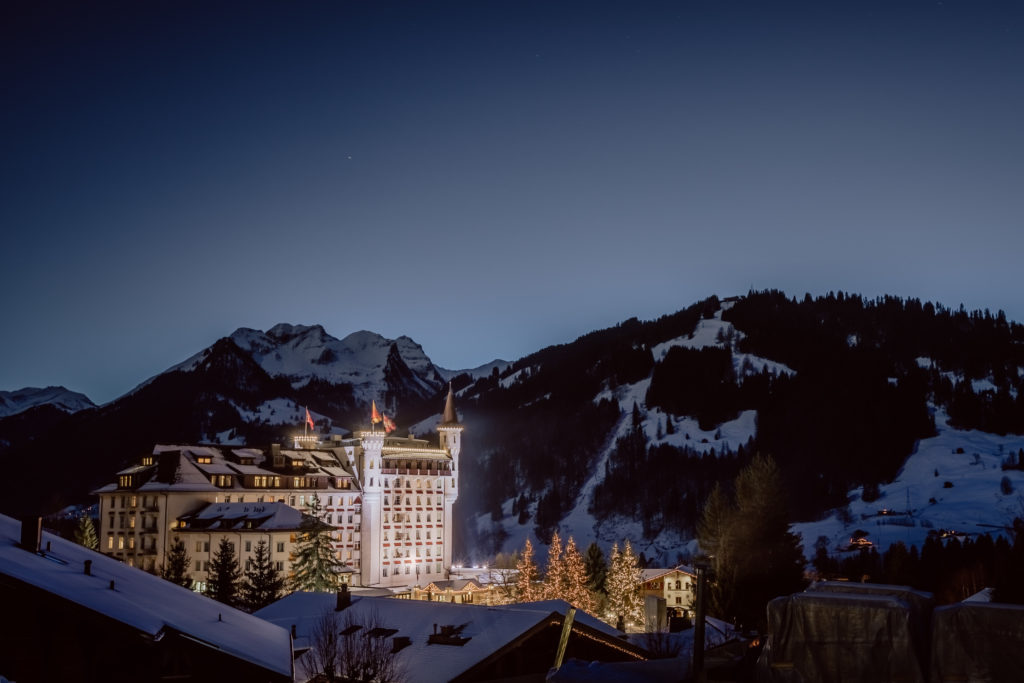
[(14, 402)]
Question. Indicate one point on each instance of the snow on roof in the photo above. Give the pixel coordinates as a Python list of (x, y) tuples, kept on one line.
[(186, 475), (488, 629), (140, 600), (269, 515), (658, 572)]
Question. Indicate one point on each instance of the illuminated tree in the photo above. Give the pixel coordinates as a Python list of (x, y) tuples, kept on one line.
[(574, 589), (554, 580), (526, 582), (625, 599)]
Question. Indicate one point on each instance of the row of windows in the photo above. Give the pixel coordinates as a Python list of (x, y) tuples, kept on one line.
[(133, 501), (407, 517), (399, 552), (409, 483), (419, 500), (129, 544), (408, 569), (407, 536), (204, 546)]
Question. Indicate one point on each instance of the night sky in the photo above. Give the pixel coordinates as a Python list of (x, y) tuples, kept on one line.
[(488, 178)]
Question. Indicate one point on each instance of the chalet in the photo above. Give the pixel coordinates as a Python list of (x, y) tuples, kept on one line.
[(676, 585), (443, 641), (72, 614)]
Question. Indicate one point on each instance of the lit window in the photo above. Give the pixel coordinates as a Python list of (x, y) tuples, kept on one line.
[(110, 542), (120, 542)]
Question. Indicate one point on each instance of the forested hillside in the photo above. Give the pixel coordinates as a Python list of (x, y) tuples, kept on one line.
[(842, 388)]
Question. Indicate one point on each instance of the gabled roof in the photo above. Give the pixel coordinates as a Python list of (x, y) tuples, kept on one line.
[(484, 630), (658, 572), (144, 602), (261, 516)]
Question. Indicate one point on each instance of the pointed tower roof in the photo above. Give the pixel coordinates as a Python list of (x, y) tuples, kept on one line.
[(449, 417)]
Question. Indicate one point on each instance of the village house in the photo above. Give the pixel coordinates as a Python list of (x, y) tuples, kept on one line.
[(430, 642), (73, 614)]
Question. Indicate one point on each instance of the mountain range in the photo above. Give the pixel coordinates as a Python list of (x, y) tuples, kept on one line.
[(620, 433)]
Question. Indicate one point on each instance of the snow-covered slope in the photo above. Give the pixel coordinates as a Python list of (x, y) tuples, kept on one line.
[(477, 372), (953, 482), (302, 353), (14, 402)]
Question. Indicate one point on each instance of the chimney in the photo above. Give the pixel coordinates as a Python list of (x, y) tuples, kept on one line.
[(88, 567), (344, 598), (31, 533), (276, 459), (294, 636), (111, 584)]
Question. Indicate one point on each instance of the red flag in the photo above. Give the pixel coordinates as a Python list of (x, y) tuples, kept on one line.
[(309, 420), (374, 415), (389, 425)]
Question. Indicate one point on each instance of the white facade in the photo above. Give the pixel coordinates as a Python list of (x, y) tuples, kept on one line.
[(389, 498)]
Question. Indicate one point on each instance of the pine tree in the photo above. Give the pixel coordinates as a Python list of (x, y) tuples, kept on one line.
[(315, 567), (554, 580), (526, 582), (753, 554), (574, 589), (85, 533), (178, 563), (222, 581), (597, 568), (625, 599), (263, 584)]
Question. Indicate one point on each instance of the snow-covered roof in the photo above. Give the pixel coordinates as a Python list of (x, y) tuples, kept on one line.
[(658, 572), (488, 629), (140, 600), (263, 516)]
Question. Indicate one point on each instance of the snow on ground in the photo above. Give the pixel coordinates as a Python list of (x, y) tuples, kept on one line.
[(718, 333), (14, 402), (974, 503), (276, 411), (688, 433)]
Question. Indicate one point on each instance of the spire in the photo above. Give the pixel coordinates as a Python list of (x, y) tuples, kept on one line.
[(449, 417)]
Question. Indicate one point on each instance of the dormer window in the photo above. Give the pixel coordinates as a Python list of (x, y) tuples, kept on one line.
[(204, 460), (147, 460)]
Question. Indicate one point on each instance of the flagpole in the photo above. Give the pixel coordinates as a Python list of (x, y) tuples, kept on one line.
[(305, 424)]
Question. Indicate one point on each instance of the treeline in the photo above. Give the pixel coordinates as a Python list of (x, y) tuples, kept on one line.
[(834, 425), (537, 428), (953, 570), (864, 375), (891, 334), (668, 485)]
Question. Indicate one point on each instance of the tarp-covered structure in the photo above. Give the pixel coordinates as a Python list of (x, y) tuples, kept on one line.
[(847, 632), (978, 642)]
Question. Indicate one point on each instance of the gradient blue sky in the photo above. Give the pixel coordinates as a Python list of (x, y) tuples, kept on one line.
[(488, 177)]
